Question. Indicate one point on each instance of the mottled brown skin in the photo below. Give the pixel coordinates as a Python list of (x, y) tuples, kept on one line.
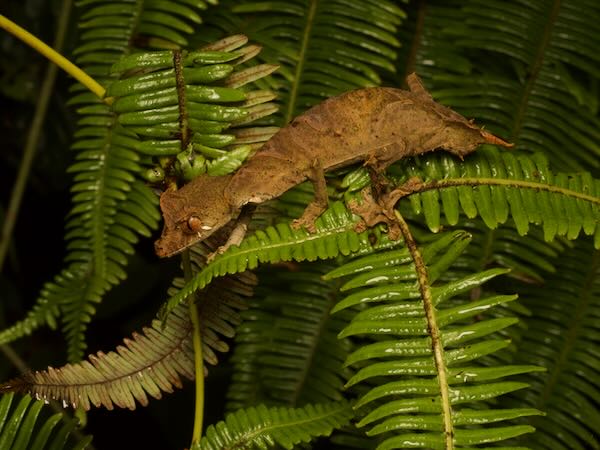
[(376, 126)]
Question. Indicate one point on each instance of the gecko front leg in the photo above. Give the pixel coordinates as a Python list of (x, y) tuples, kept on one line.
[(320, 202), (237, 234)]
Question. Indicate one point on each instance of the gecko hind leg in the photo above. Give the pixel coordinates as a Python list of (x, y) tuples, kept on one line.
[(320, 202)]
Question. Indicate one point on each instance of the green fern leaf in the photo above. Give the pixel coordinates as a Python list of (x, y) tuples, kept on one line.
[(262, 427), (568, 306), (335, 236), (410, 407), (25, 426), (495, 185), (180, 104), (287, 352)]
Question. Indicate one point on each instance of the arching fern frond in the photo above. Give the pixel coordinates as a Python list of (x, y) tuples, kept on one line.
[(277, 427), (335, 236), (535, 85), (287, 352), (102, 180), (26, 427), (148, 364), (497, 185), (407, 406), (324, 47), (561, 336), (152, 362)]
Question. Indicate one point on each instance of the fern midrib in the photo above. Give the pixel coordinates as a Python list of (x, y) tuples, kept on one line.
[(474, 182), (293, 98), (433, 329), (574, 330), (534, 70)]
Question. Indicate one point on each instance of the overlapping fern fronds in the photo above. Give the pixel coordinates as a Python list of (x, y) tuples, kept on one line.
[(324, 47), (150, 363), (25, 427), (287, 352), (532, 75), (335, 236), (561, 335), (112, 205), (410, 403), (262, 427)]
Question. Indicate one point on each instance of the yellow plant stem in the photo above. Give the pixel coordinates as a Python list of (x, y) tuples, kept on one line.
[(198, 358), (53, 56)]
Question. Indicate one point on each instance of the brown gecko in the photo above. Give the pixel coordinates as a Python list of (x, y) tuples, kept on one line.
[(377, 126)]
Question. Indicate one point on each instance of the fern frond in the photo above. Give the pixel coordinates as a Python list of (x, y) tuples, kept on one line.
[(262, 427), (150, 363), (324, 47), (287, 352), (25, 426), (335, 236), (101, 181), (111, 206), (181, 103), (406, 406), (536, 86), (497, 185), (561, 335)]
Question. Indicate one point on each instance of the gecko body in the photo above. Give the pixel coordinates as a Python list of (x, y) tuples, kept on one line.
[(375, 126)]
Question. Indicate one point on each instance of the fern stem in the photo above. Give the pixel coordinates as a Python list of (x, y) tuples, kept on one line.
[(432, 327), (416, 188), (198, 357), (53, 56), (33, 136)]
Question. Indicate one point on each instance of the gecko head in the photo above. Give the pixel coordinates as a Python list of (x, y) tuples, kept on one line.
[(193, 213), (463, 137)]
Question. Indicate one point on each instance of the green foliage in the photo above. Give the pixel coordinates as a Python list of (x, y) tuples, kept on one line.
[(287, 351), (335, 236), (25, 426), (561, 336), (398, 349), (324, 47), (440, 356), (262, 427)]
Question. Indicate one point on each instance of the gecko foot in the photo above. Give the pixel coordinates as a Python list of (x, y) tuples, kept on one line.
[(308, 217)]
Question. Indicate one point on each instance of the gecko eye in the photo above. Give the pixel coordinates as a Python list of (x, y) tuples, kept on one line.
[(194, 224)]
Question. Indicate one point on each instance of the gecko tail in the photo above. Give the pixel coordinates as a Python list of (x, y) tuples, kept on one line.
[(491, 139)]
